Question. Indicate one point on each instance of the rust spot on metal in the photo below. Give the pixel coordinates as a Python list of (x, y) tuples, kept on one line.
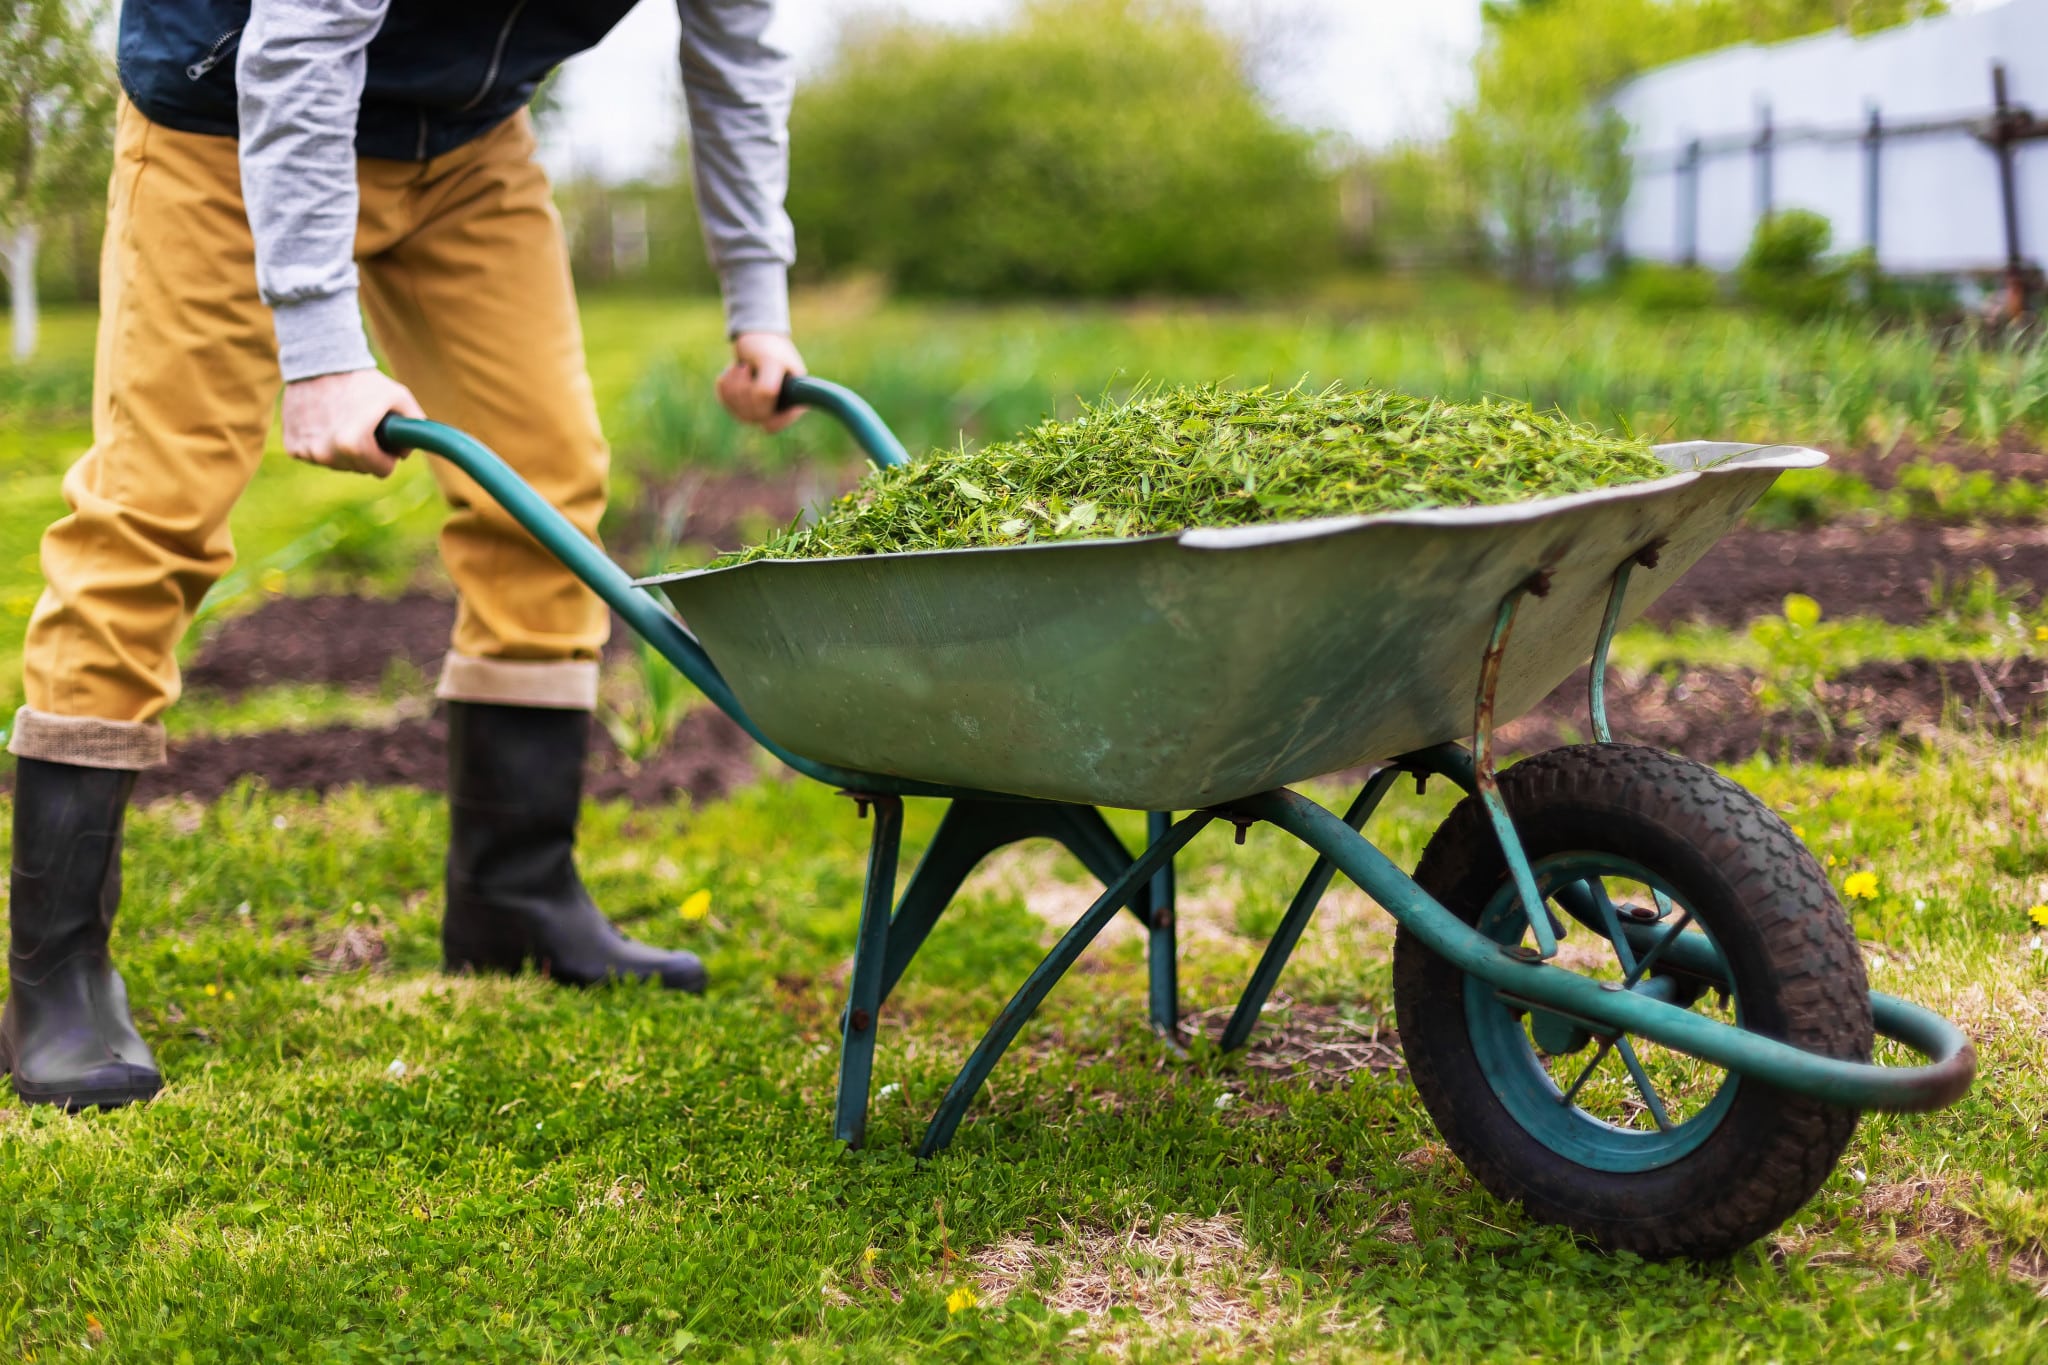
[(860, 1019), (1651, 553), (1538, 584), (1489, 680), (1242, 822), (1162, 919)]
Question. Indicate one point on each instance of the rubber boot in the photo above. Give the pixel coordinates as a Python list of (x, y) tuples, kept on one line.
[(65, 1034), (515, 784)]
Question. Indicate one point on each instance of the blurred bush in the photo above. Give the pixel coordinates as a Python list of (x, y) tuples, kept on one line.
[(643, 233), (1407, 208), (1088, 147), (1787, 270), (1657, 289)]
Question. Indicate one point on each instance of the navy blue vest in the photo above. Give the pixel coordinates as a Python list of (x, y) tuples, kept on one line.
[(440, 71)]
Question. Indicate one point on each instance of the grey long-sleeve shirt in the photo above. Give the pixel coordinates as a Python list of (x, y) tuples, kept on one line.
[(299, 81)]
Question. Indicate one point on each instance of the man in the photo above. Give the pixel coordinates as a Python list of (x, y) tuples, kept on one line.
[(264, 153)]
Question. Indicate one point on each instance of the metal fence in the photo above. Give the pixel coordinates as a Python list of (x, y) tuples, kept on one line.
[(1880, 134)]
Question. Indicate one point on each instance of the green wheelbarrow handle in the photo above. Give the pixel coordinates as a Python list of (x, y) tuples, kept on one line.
[(868, 429), (641, 610)]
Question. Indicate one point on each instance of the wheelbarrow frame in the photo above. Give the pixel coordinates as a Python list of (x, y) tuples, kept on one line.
[(977, 823)]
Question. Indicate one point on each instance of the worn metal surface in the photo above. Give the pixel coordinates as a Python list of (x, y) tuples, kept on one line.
[(1179, 671), (1489, 784), (864, 995), (1118, 894)]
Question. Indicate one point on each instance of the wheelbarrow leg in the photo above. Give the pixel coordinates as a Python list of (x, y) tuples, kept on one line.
[(1162, 951), (1267, 974), (968, 833), (1046, 974), (870, 954)]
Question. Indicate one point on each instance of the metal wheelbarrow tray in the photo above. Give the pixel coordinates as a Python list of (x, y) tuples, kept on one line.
[(1593, 902)]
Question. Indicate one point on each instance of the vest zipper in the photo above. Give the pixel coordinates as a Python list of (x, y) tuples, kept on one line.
[(497, 58), (215, 55)]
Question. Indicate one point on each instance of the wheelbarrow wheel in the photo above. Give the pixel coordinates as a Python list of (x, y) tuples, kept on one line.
[(1638, 1148)]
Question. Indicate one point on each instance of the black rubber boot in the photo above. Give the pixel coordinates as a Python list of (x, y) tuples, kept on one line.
[(515, 783), (65, 1034)]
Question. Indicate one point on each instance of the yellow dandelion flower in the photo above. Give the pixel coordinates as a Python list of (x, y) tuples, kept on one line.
[(227, 995), (212, 989), (960, 1299), (695, 906), (2041, 632), (1799, 832), (2039, 915), (870, 1256), (1860, 886)]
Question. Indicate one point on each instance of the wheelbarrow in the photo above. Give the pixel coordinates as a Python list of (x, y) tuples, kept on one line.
[(1627, 995)]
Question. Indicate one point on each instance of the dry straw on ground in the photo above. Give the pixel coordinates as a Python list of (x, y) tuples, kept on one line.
[(1191, 1279)]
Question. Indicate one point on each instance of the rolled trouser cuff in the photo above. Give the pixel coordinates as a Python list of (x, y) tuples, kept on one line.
[(564, 684), (86, 741)]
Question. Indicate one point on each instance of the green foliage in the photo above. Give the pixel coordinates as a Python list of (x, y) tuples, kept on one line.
[(1406, 207), (645, 233), (1786, 270), (1089, 147), (1209, 456), (56, 123), (1923, 490), (1657, 289), (56, 105), (625, 1175), (1797, 659), (655, 699)]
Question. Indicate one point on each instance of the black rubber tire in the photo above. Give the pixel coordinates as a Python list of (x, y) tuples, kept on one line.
[(1798, 976)]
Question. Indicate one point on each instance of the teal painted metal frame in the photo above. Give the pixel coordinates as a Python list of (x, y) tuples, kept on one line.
[(977, 823)]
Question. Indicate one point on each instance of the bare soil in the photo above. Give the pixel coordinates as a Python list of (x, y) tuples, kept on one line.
[(2016, 457), (346, 641), (1889, 572), (707, 758), (1715, 715), (726, 509)]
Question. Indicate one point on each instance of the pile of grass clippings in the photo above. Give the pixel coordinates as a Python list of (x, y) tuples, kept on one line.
[(1170, 459)]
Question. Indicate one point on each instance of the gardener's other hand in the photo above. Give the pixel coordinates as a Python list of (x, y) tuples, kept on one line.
[(748, 388), (332, 420)]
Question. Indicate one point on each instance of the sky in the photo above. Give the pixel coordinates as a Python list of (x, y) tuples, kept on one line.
[(1375, 70)]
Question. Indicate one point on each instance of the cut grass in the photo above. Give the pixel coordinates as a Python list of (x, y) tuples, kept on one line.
[(1172, 459), (626, 1175)]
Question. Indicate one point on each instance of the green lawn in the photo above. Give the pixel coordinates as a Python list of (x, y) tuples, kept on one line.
[(359, 1158), (373, 1161)]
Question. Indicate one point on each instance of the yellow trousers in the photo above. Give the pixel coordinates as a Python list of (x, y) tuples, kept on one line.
[(465, 282)]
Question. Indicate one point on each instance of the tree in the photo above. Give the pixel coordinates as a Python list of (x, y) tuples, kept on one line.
[(56, 125), (1083, 147)]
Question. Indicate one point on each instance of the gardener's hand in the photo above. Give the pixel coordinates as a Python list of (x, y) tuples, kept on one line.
[(332, 420), (748, 388)]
